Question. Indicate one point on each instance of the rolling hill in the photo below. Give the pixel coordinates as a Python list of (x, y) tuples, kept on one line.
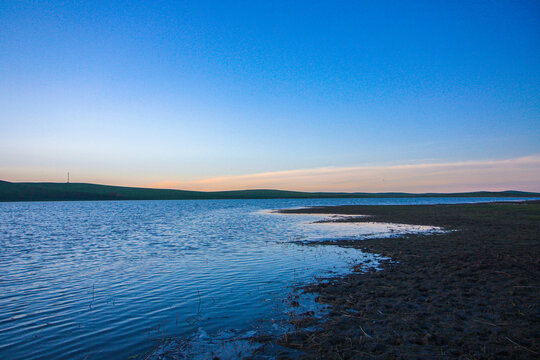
[(45, 191)]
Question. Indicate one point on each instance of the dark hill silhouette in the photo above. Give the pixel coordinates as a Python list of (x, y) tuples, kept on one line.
[(46, 191)]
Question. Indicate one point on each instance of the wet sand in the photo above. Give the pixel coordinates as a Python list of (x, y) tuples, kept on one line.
[(470, 293)]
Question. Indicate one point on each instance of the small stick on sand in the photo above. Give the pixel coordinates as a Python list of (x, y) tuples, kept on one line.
[(366, 334), (521, 346), (485, 322)]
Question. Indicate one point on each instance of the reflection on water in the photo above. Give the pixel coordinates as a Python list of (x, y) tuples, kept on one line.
[(101, 280), (322, 227)]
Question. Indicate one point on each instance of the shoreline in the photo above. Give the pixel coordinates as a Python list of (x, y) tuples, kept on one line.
[(469, 293)]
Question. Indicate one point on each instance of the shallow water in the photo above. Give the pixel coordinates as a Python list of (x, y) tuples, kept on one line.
[(101, 280)]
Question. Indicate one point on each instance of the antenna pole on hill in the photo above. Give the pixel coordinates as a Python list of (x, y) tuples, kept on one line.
[(68, 178)]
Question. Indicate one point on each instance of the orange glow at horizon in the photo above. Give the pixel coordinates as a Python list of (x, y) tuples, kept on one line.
[(498, 175)]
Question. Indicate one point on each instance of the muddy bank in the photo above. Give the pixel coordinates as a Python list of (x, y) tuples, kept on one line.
[(472, 293)]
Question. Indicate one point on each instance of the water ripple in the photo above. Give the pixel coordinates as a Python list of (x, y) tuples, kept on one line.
[(101, 280)]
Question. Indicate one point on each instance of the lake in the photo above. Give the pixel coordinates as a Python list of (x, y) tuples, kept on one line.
[(102, 280)]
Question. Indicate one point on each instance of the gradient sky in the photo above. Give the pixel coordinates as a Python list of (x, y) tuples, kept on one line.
[(414, 96)]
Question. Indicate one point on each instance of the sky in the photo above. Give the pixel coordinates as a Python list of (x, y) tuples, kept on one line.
[(297, 95)]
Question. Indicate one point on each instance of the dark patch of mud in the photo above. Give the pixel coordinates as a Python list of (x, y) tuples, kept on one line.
[(473, 293)]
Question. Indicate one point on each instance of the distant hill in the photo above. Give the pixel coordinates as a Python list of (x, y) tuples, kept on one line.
[(80, 191)]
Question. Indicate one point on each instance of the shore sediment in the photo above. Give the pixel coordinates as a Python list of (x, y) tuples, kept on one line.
[(470, 293)]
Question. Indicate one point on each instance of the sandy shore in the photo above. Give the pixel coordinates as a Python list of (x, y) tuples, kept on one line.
[(472, 293)]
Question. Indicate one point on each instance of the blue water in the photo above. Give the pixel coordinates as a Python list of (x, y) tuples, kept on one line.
[(102, 280)]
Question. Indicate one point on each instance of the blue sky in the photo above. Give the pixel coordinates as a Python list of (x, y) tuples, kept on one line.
[(164, 93)]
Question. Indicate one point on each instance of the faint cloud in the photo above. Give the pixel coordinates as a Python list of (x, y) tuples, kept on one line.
[(511, 174)]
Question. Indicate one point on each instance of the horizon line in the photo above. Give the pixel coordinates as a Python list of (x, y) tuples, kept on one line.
[(273, 189)]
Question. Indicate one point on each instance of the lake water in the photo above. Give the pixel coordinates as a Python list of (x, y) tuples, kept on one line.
[(113, 280)]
